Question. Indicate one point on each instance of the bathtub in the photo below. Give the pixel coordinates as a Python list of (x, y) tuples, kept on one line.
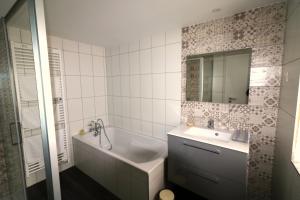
[(132, 169)]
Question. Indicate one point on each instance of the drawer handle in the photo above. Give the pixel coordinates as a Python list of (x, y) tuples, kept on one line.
[(211, 179), (216, 151)]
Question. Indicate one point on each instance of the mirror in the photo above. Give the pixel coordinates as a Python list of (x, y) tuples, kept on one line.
[(219, 77)]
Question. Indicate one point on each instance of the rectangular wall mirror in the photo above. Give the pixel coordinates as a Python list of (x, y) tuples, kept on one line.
[(221, 77)]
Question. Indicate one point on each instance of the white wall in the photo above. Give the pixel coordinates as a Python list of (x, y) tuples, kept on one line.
[(286, 180), (144, 84), (85, 85)]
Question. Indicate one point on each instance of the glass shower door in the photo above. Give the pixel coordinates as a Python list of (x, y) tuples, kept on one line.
[(27, 107)]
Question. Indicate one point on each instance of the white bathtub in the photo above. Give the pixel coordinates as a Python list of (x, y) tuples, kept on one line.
[(132, 169)]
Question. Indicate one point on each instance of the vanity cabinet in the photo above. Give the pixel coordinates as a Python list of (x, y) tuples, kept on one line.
[(211, 171)]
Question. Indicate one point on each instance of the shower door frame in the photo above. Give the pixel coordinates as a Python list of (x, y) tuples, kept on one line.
[(36, 13)]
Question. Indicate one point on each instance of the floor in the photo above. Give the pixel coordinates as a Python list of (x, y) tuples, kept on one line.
[(76, 185)]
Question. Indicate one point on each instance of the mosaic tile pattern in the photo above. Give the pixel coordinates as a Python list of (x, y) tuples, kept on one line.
[(262, 30)]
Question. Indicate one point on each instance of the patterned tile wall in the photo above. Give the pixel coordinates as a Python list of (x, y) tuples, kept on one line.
[(262, 30)]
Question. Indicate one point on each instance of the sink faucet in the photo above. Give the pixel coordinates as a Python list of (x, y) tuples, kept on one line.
[(211, 124)]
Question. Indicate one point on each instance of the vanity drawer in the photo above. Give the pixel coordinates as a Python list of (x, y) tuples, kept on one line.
[(217, 160), (206, 184)]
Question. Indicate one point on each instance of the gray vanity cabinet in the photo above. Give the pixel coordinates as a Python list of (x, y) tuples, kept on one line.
[(210, 171)]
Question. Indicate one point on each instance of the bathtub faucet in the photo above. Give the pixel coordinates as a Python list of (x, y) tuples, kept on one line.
[(97, 127)]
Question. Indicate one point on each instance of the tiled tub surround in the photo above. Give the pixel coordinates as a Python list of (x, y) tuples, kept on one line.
[(143, 84), (133, 169), (262, 30), (85, 85)]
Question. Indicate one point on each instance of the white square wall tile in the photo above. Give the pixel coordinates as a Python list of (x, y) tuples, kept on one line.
[(134, 63), (124, 48), (85, 48), (99, 66), (173, 110), (75, 109), (110, 105), (145, 43), (126, 123), (88, 105), (135, 108), (135, 85), (99, 86), (159, 91), (134, 46), (126, 106), (100, 105), (87, 85), (70, 45), (173, 36), (108, 66), (124, 64), (158, 39), (136, 125), (158, 60), (109, 85), (146, 86), (116, 82), (125, 86), (115, 50), (173, 86), (86, 64), (145, 61), (98, 51), (54, 42), (117, 101), (75, 127), (71, 63), (146, 109), (147, 128), (159, 131), (159, 111), (73, 84), (115, 65), (173, 58)]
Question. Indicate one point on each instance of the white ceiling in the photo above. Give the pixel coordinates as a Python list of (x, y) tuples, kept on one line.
[(111, 22)]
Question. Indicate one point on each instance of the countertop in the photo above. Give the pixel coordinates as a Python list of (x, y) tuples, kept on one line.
[(233, 145)]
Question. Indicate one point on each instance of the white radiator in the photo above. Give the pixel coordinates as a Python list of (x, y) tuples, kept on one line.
[(24, 72)]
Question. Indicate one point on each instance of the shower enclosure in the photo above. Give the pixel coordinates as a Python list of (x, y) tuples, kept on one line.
[(29, 93)]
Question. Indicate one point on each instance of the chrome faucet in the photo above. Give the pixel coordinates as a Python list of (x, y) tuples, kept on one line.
[(97, 127), (211, 124)]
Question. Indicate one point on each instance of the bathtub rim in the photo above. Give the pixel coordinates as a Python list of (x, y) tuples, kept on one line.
[(146, 167)]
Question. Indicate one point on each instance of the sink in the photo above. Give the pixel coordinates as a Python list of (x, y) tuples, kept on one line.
[(208, 133)]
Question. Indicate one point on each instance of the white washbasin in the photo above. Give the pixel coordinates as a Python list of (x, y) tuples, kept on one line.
[(208, 133)]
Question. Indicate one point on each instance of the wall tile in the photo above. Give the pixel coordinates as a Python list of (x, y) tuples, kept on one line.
[(71, 63), (135, 82), (99, 86), (87, 85), (73, 84), (100, 106), (98, 66), (125, 86), (135, 107), (70, 45), (159, 111), (75, 110), (158, 60), (159, 91), (145, 61), (86, 64), (146, 109), (173, 61), (85, 48), (88, 105), (145, 43), (134, 46), (115, 65), (124, 64), (146, 86), (98, 51), (134, 63), (173, 87), (172, 112)]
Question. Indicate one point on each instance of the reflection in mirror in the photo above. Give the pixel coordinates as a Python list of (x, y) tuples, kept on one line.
[(219, 77)]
